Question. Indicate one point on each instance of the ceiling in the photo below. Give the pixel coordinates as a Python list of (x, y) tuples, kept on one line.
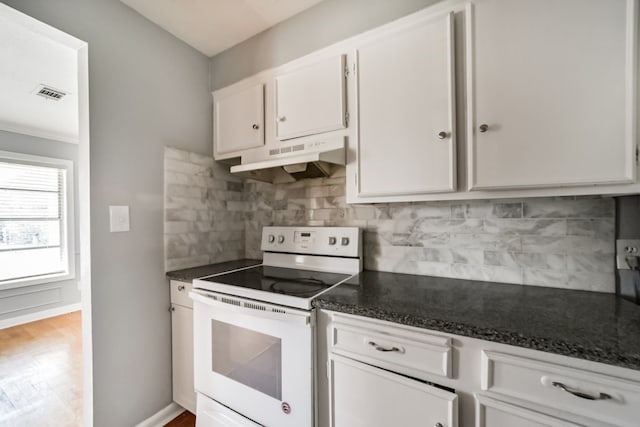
[(212, 26), (29, 58)]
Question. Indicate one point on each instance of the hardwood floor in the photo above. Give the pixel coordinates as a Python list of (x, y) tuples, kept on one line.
[(185, 419), (41, 373)]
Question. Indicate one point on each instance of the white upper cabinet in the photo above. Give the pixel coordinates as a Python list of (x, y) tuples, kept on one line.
[(551, 93), (311, 99), (238, 122), (406, 142)]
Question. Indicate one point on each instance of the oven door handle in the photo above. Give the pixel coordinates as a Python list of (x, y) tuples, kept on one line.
[(251, 308)]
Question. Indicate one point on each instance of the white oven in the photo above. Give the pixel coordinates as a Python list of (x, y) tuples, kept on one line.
[(256, 358), (254, 328)]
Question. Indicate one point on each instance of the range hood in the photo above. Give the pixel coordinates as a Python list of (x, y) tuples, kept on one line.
[(289, 163)]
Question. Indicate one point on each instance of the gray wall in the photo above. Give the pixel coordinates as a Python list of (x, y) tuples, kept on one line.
[(19, 301), (324, 24), (147, 90)]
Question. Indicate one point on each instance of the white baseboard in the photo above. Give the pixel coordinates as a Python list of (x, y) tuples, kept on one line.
[(163, 416), (39, 315)]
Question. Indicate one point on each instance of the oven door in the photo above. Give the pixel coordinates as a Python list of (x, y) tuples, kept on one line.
[(254, 358)]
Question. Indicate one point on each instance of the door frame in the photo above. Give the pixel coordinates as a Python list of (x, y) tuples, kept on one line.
[(83, 216)]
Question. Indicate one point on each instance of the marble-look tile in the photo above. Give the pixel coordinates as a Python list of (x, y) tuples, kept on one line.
[(487, 209), (541, 277), (567, 208), (602, 228), (525, 260), (486, 272), (417, 211), (568, 244), (542, 227), (591, 263), (487, 241), (460, 226)]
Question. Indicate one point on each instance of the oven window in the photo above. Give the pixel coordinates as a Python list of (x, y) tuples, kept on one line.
[(248, 357)]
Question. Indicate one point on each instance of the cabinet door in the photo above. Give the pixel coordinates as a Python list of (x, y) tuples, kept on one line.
[(311, 100), (182, 357), (551, 89), (495, 413), (238, 120), (364, 396), (405, 95)]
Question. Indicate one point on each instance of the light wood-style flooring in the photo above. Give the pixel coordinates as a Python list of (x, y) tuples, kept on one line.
[(185, 419), (41, 373)]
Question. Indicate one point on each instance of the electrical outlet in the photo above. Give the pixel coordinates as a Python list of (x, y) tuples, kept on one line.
[(627, 248)]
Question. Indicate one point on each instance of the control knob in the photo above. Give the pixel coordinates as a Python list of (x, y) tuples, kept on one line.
[(271, 238), (281, 239), (332, 241), (345, 241)]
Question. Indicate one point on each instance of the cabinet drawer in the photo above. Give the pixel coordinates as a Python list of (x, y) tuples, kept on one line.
[(493, 413), (597, 396), (410, 352), (364, 396), (180, 293)]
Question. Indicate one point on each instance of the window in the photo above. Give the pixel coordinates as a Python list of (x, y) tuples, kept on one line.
[(36, 220)]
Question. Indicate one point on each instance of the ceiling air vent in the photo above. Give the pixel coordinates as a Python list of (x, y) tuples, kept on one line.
[(49, 92)]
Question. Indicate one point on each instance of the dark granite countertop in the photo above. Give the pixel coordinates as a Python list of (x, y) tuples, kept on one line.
[(188, 274), (587, 325)]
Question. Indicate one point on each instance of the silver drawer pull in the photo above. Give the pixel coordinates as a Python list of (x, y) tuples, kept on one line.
[(581, 395), (385, 349)]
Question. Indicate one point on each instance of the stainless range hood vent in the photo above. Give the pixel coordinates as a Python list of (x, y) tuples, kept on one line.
[(291, 163), (308, 170)]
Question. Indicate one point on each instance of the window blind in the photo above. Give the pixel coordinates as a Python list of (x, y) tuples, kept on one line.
[(32, 221)]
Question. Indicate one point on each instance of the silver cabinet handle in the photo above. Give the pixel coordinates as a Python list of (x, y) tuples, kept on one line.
[(442, 135), (180, 288), (483, 128), (581, 395), (385, 349), (255, 126)]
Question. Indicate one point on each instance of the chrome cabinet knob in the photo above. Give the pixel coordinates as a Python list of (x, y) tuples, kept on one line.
[(442, 135), (483, 128), (255, 126), (172, 309), (181, 288), (438, 425), (282, 118)]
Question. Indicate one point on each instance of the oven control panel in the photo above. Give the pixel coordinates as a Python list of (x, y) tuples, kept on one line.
[(338, 241)]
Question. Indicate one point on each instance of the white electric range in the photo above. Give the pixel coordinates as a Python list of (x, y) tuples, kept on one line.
[(254, 328)]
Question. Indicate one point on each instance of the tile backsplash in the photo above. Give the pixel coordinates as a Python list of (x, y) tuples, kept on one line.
[(559, 242), (202, 225)]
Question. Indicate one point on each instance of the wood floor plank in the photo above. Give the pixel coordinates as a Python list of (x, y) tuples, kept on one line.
[(41, 373), (185, 419)]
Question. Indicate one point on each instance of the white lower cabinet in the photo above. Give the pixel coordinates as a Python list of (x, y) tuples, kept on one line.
[(365, 396), (372, 370), (493, 412), (182, 346)]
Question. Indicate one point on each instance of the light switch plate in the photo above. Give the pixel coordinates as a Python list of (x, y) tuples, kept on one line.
[(118, 218), (626, 248)]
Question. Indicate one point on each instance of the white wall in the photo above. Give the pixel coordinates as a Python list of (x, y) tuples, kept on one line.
[(322, 25), (147, 90), (20, 301)]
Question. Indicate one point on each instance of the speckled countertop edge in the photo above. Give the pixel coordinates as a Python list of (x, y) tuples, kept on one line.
[(564, 348)]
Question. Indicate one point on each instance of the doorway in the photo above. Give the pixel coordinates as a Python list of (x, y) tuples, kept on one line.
[(45, 287)]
